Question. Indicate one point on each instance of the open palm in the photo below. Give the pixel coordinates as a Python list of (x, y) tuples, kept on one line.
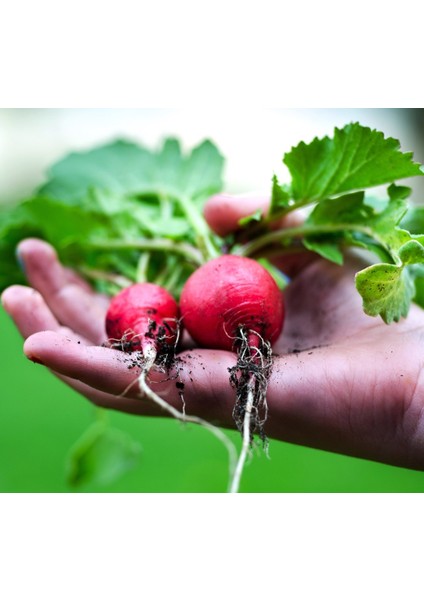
[(341, 381)]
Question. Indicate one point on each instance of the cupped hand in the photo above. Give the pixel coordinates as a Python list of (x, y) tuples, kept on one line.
[(341, 381)]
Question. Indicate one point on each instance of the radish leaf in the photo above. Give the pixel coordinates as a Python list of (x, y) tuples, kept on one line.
[(413, 221), (101, 456), (101, 209), (254, 217), (280, 197), (124, 168), (386, 290), (355, 158), (346, 209), (325, 248)]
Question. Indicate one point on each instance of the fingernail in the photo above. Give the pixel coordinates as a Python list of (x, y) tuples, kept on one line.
[(5, 300), (35, 359), (3, 303), (20, 260)]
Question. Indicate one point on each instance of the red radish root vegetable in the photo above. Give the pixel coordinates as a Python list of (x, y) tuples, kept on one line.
[(144, 317), (233, 303)]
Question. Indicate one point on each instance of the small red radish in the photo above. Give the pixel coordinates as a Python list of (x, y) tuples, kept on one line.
[(143, 316), (233, 303)]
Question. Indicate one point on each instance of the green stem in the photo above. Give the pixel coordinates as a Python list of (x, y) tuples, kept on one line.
[(173, 277), (143, 263), (281, 235), (119, 280), (168, 268), (283, 212), (162, 244), (256, 228), (166, 206), (195, 218), (204, 236)]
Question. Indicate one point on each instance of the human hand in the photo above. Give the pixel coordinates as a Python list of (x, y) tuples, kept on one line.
[(341, 381)]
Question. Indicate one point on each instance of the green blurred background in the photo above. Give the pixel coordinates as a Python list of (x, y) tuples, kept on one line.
[(40, 418)]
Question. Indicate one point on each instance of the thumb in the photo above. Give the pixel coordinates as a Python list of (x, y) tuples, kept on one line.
[(224, 211)]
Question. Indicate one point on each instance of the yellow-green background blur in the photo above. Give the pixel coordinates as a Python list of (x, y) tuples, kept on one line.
[(40, 418)]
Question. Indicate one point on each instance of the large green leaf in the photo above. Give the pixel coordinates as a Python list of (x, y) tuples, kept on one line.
[(355, 158), (124, 168)]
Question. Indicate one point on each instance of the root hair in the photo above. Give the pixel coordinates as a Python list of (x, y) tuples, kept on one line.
[(249, 377), (252, 372)]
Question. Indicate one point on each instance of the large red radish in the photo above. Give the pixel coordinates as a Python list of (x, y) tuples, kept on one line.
[(227, 294), (233, 303)]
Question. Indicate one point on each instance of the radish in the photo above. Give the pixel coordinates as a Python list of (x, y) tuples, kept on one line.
[(144, 317), (233, 303)]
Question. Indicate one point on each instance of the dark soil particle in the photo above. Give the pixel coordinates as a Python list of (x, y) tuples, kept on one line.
[(303, 350), (179, 385)]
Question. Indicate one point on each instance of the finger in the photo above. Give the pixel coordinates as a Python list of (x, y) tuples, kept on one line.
[(102, 368), (223, 211), (126, 382), (72, 305), (28, 310), (203, 374), (102, 299), (70, 275), (31, 314)]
